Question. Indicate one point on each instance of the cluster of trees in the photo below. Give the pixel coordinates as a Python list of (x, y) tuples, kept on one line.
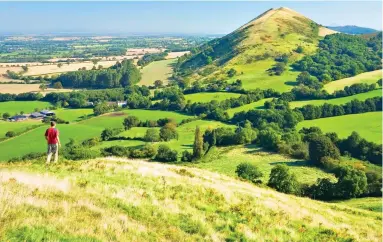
[(215, 86), (329, 110), (340, 56), (28, 96), (119, 75), (148, 58)]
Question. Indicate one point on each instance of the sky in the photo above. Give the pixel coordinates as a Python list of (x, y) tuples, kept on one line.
[(170, 17)]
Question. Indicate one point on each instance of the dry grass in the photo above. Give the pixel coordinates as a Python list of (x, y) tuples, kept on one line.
[(323, 31), (173, 55), (21, 88), (130, 200)]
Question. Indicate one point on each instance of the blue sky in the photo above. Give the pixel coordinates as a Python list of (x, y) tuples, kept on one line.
[(170, 17)]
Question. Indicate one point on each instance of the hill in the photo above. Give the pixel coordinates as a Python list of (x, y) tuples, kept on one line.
[(252, 48), (352, 29), (130, 200)]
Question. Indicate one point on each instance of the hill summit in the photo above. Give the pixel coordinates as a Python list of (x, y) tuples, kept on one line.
[(274, 32)]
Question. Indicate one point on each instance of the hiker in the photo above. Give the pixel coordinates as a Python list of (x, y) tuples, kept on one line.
[(53, 140)]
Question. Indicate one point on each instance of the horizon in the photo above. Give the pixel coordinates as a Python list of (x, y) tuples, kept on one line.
[(168, 18)]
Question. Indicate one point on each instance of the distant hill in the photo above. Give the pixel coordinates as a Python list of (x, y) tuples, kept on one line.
[(271, 34), (352, 29)]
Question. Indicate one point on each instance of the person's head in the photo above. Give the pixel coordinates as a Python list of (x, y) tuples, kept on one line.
[(53, 123)]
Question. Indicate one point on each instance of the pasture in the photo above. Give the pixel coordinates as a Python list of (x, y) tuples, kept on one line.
[(157, 70), (17, 127), (338, 101), (15, 107), (255, 105), (34, 141), (368, 125), (205, 97), (367, 77), (367, 203), (226, 159), (73, 115)]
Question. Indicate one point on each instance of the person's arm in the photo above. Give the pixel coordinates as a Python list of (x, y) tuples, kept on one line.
[(58, 138)]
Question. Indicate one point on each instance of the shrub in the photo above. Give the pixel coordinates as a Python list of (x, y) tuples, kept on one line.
[(186, 156), (130, 122), (164, 153), (116, 151), (351, 182), (321, 146), (249, 172), (106, 134), (10, 134), (152, 135), (282, 180), (168, 132)]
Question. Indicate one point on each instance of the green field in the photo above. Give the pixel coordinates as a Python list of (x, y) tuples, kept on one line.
[(255, 75), (368, 125), (367, 203), (205, 97), (17, 127), (338, 101), (367, 77), (226, 159), (73, 115), (247, 107), (13, 107), (157, 70), (34, 141)]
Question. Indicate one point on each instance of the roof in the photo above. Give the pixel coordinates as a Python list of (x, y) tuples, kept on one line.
[(36, 114), (18, 117), (46, 111)]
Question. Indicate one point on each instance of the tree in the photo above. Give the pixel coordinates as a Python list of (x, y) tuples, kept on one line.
[(95, 61), (320, 147), (6, 115), (108, 133), (282, 180), (59, 65), (379, 82), (10, 134), (58, 85), (101, 108), (351, 182), (198, 144), (232, 72), (164, 153), (186, 156), (25, 68), (168, 132), (152, 135), (42, 87), (299, 49), (158, 83), (245, 136), (130, 122), (249, 172)]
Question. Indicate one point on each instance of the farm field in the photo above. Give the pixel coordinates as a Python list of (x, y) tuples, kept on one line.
[(176, 54), (157, 70), (13, 107), (21, 88), (17, 127), (73, 115), (256, 76), (205, 97), (255, 105), (367, 77), (368, 125), (33, 141), (226, 159), (338, 101)]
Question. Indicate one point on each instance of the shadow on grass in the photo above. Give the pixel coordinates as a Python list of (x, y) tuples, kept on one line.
[(295, 163), (291, 83)]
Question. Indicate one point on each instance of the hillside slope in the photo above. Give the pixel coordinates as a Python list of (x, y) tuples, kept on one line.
[(272, 34), (129, 200)]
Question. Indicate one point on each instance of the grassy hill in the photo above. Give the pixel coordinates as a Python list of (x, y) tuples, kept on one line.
[(128, 200), (157, 70), (252, 48), (205, 97), (368, 125)]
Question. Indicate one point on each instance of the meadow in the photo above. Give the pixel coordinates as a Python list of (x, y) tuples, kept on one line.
[(73, 115), (338, 101), (157, 70), (226, 159), (255, 105), (368, 125), (130, 200), (367, 77), (205, 97), (14, 107), (17, 127)]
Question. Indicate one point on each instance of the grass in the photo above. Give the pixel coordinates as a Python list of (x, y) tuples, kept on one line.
[(17, 127), (226, 159), (205, 97), (368, 125), (133, 200), (73, 115), (34, 141), (367, 77), (157, 70), (367, 203), (247, 107), (14, 107), (338, 101)]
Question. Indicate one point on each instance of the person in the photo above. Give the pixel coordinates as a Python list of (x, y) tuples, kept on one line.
[(53, 140)]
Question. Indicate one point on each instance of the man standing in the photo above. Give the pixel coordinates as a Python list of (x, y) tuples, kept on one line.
[(52, 137)]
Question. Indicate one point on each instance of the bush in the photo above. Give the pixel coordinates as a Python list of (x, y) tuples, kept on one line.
[(116, 151), (10, 134), (106, 134), (168, 132), (249, 172), (282, 180), (187, 156), (321, 146), (152, 135), (164, 153)]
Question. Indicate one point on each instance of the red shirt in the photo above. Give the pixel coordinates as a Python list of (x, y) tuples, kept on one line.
[(52, 134)]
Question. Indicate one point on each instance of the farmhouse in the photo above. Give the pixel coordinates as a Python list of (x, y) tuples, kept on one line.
[(36, 115), (17, 118), (47, 112)]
